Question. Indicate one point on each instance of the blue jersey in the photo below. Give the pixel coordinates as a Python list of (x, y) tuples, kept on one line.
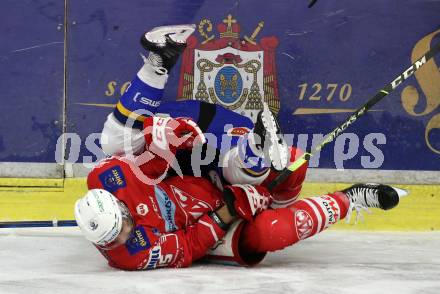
[(222, 127)]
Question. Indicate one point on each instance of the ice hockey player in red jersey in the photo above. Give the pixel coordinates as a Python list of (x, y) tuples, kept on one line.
[(179, 220)]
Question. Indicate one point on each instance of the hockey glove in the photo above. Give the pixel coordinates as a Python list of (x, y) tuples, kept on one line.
[(166, 133), (245, 201)]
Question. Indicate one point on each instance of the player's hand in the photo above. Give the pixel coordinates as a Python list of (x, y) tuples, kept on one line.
[(185, 128), (167, 133), (245, 201)]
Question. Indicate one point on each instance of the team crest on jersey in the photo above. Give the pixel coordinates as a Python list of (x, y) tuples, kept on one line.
[(112, 179), (233, 71), (195, 206)]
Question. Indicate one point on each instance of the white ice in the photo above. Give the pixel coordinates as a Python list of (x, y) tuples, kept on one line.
[(61, 261)]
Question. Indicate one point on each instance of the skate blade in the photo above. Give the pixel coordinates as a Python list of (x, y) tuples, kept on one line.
[(277, 151), (178, 33), (401, 192)]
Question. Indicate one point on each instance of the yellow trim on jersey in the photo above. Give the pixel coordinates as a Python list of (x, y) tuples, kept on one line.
[(124, 111), (254, 173), (249, 171)]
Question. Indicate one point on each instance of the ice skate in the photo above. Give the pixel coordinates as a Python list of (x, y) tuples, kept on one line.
[(364, 196), (165, 44), (272, 142)]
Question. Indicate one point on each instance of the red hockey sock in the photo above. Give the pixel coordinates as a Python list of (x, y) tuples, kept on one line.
[(274, 229)]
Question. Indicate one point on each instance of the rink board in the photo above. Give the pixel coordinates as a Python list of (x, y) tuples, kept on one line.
[(418, 212), (64, 64)]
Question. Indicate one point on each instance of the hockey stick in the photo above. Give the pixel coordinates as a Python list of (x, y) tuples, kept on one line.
[(38, 224), (358, 113), (312, 2)]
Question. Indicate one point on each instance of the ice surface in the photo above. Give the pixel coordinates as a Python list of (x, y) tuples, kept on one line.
[(61, 261)]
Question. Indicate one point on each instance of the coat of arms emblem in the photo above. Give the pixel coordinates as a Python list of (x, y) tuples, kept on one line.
[(236, 73)]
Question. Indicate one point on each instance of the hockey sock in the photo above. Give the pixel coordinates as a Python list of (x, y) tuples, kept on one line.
[(275, 229), (242, 165), (251, 158), (142, 97)]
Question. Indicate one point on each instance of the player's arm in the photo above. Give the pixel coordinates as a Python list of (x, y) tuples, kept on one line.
[(163, 137), (146, 250)]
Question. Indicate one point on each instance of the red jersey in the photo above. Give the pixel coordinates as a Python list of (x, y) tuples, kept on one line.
[(171, 225)]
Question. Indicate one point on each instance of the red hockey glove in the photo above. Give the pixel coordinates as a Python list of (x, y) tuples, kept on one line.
[(246, 201), (167, 133)]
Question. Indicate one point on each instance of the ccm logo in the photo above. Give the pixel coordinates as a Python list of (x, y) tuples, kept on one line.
[(408, 72)]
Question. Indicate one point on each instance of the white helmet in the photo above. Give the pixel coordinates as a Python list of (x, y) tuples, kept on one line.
[(99, 216)]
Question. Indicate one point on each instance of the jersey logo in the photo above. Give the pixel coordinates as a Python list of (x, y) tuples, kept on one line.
[(194, 206), (142, 209), (332, 209), (112, 179), (304, 224), (157, 259), (239, 131), (167, 209), (138, 241), (153, 258)]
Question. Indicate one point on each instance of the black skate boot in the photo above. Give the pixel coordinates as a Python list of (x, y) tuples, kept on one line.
[(271, 140), (364, 196), (165, 45)]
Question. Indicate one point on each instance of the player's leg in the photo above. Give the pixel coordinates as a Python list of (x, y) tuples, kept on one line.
[(144, 94), (278, 228), (287, 192), (165, 44), (256, 152)]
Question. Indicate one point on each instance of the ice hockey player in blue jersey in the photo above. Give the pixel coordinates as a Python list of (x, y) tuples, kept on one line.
[(245, 152)]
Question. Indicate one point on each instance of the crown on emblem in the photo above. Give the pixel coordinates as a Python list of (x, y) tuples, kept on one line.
[(229, 28)]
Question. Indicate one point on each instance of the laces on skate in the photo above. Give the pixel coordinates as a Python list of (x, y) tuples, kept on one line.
[(156, 62), (360, 200), (365, 196)]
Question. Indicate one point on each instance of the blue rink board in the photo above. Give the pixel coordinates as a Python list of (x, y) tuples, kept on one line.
[(31, 79)]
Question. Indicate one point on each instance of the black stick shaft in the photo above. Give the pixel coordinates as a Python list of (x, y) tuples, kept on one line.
[(358, 113), (312, 2), (38, 224)]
